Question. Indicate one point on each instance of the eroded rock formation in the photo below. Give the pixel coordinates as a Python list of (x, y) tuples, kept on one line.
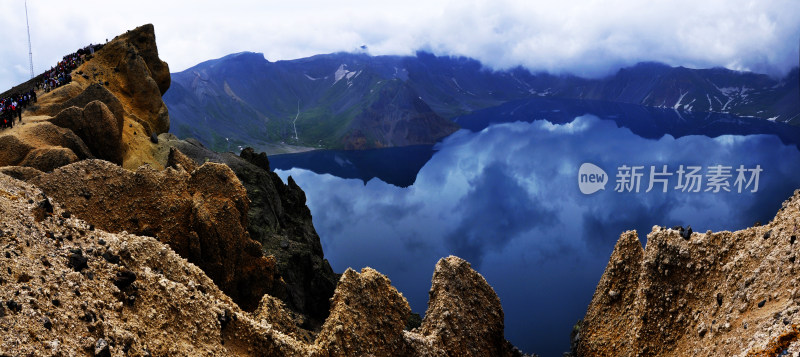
[(113, 110), (70, 288), (713, 294), (464, 317), (101, 256), (113, 103), (202, 215), (67, 285), (464, 313), (278, 218), (97, 127), (367, 317)]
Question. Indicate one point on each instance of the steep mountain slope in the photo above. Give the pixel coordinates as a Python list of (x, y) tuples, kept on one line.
[(248, 100), (113, 111), (358, 101)]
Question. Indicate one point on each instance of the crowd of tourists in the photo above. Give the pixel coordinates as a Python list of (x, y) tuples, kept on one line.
[(12, 106), (60, 74)]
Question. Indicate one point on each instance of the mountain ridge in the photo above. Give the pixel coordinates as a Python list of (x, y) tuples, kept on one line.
[(329, 100)]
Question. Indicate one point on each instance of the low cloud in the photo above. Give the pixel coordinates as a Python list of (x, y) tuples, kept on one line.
[(581, 37), (594, 38)]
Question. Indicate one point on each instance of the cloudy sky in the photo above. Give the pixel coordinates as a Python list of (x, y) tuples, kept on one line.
[(585, 37)]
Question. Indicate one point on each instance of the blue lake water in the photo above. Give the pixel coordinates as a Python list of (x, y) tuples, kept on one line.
[(503, 194)]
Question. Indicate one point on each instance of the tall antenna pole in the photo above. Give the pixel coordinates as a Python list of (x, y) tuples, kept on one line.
[(30, 49)]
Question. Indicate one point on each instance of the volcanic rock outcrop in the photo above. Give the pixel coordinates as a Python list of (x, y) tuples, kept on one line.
[(97, 127), (365, 304), (713, 294), (278, 218), (464, 317), (69, 288), (117, 241), (202, 215), (113, 105), (43, 146), (113, 111), (464, 313)]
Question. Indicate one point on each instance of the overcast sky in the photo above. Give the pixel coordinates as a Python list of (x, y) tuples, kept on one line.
[(584, 37)]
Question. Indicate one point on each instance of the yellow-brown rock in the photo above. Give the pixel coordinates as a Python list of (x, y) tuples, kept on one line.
[(713, 294), (41, 145), (48, 158), (367, 317), (13, 150), (179, 161), (43, 134), (97, 127), (202, 216), (167, 307), (128, 78), (20, 172), (464, 313)]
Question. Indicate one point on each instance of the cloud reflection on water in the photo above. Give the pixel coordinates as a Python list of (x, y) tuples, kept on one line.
[(506, 199)]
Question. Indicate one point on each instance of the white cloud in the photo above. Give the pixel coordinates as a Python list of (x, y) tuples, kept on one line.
[(577, 36), (581, 123)]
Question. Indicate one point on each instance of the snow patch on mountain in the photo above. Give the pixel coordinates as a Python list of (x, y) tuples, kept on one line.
[(342, 72), (678, 104), (459, 87)]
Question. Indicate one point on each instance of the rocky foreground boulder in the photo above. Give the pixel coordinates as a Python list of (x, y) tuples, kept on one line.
[(464, 313), (201, 215), (699, 294), (71, 288)]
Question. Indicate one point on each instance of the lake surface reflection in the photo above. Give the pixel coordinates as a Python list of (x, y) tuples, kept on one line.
[(503, 194)]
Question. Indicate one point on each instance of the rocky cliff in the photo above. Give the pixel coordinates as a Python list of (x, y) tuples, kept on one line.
[(201, 215), (699, 294), (113, 111), (279, 219), (119, 241), (120, 85), (70, 288)]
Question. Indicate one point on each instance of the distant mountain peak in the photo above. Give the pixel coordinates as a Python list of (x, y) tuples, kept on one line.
[(316, 101), (254, 57)]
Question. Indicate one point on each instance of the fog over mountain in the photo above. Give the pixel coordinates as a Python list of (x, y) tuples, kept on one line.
[(581, 37)]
